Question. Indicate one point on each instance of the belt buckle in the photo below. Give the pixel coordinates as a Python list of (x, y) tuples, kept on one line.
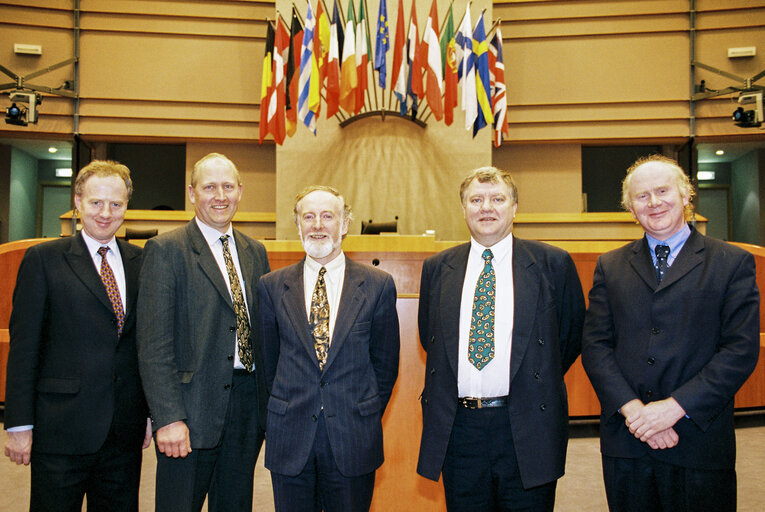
[(478, 403)]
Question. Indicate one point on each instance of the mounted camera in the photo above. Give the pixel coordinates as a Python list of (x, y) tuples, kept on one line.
[(23, 109), (749, 118)]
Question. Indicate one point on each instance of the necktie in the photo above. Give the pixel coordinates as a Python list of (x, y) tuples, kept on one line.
[(662, 252), (481, 341), (107, 276), (319, 320), (240, 309)]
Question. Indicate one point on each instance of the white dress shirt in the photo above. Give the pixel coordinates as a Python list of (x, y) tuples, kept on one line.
[(333, 279), (212, 237), (494, 379)]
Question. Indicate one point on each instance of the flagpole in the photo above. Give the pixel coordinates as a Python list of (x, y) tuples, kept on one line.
[(370, 61), (299, 17), (493, 28), (441, 28)]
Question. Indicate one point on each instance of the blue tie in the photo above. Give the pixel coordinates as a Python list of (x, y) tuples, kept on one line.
[(662, 252)]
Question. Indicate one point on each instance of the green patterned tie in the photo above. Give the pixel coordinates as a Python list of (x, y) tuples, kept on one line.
[(481, 342), (242, 322), (320, 319)]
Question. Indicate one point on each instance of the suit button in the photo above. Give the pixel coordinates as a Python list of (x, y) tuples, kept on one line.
[(649, 393), (322, 384), (425, 401), (232, 328), (655, 330), (432, 339), (536, 375), (116, 378), (542, 407), (314, 417), (541, 341), (432, 371), (651, 360), (230, 357), (227, 386)]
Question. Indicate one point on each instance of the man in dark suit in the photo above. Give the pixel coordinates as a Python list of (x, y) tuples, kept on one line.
[(500, 319), (671, 333), (331, 348), (74, 405), (198, 349)]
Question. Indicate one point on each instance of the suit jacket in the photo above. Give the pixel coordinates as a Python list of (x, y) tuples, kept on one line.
[(547, 328), (68, 373), (187, 327), (695, 338), (358, 376)]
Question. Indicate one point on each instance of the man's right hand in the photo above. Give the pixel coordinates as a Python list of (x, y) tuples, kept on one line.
[(173, 439), (18, 446)]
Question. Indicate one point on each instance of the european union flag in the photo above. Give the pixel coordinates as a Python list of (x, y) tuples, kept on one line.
[(382, 43)]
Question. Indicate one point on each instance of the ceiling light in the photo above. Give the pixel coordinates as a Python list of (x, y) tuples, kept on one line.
[(719, 152), (52, 149)]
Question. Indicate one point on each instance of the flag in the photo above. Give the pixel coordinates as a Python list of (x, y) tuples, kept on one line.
[(482, 87), (348, 74), (466, 68), (266, 81), (321, 42), (400, 68), (276, 123), (290, 102), (333, 65), (382, 43), (414, 80), (308, 86), (499, 91), (435, 73), (450, 69), (362, 57)]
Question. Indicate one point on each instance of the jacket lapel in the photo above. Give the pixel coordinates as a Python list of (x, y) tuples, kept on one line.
[(689, 257), (131, 262), (526, 285), (82, 265), (293, 303), (207, 262), (247, 265), (452, 278), (351, 299), (642, 263)]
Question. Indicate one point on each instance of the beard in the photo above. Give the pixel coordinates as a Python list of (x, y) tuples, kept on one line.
[(318, 249)]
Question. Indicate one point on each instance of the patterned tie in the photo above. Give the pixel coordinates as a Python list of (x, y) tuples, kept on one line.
[(242, 322), (481, 342), (662, 252), (107, 276), (319, 320)]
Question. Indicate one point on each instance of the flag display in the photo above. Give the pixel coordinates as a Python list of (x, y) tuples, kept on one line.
[(482, 87), (382, 43), (449, 59), (499, 88), (435, 73), (328, 54)]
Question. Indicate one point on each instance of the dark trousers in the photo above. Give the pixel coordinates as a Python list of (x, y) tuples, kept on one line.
[(647, 484), (110, 478), (321, 486), (224, 472), (481, 470)]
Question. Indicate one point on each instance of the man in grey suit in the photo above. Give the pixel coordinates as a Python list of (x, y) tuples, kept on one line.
[(671, 333), (199, 354), (331, 346), (501, 321)]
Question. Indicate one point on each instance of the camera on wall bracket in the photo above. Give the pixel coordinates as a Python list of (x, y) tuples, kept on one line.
[(752, 116), (23, 109)]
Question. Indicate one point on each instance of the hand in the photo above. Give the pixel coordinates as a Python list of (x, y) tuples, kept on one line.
[(664, 439), (147, 436), (173, 440), (18, 446), (654, 418)]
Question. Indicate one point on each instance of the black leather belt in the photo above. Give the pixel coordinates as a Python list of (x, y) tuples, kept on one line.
[(480, 403)]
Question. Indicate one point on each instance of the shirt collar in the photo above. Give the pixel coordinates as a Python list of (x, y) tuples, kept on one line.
[(499, 250), (212, 235), (93, 245), (675, 242), (336, 264)]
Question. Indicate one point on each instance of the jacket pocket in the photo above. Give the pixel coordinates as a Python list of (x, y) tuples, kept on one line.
[(370, 406), (53, 385), (277, 405)]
